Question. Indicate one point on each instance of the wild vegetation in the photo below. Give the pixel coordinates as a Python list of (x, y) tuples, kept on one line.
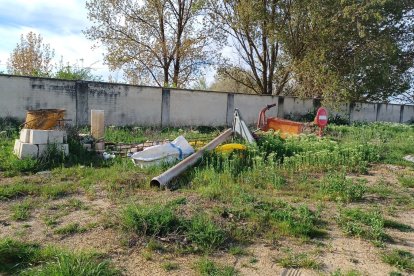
[(295, 198)]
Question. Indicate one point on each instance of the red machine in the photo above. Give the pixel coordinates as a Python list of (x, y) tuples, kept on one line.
[(287, 126)]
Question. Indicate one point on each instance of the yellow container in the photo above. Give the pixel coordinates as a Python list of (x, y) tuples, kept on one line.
[(43, 118), (230, 147)]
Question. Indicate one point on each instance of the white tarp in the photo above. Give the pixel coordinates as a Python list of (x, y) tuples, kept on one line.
[(177, 149)]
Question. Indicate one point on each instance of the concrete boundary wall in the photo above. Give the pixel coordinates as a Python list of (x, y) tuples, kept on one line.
[(154, 106)]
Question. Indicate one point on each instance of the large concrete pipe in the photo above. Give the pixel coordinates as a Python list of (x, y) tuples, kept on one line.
[(163, 179)]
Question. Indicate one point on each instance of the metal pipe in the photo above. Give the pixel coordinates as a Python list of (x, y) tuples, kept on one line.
[(163, 179)]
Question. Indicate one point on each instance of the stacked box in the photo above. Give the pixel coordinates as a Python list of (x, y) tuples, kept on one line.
[(33, 143)]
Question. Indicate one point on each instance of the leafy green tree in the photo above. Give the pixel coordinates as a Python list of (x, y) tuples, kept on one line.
[(355, 50), (344, 50), (74, 72)]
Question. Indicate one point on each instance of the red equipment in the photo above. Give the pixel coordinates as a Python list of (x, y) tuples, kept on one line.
[(287, 126)]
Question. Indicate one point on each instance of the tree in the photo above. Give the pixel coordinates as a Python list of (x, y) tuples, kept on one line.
[(31, 57), (253, 28), (74, 72), (227, 80), (338, 50), (162, 42), (357, 51)]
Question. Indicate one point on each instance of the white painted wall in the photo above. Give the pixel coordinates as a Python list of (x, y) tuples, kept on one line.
[(363, 112), (125, 104), (250, 106), (19, 94), (138, 105), (191, 108), (389, 113)]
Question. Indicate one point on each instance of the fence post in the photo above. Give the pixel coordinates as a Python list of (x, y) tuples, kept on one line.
[(82, 105), (165, 108), (401, 114), (230, 109), (280, 109), (378, 112)]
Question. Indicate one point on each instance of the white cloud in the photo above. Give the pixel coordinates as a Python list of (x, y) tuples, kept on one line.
[(59, 22)]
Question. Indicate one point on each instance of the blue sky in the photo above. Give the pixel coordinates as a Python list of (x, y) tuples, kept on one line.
[(60, 22)]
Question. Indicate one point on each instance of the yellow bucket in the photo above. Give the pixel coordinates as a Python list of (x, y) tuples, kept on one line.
[(43, 118)]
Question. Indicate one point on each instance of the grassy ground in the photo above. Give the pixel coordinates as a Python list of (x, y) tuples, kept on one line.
[(341, 205)]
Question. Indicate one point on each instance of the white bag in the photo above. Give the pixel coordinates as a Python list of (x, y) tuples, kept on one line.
[(177, 149)]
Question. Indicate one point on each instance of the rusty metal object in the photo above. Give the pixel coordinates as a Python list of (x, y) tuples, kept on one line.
[(43, 119), (163, 179)]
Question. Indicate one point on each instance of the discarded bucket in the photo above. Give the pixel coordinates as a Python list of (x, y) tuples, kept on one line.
[(43, 119)]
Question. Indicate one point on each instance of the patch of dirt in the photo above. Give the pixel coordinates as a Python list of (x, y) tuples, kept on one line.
[(353, 254)]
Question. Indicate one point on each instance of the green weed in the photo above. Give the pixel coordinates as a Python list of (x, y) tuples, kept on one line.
[(66, 264), (406, 181), (21, 211), (15, 255), (400, 258), (169, 266), (207, 267), (70, 229), (352, 272), (153, 220), (337, 187), (237, 251), (30, 259), (12, 191), (204, 233), (361, 223), (300, 260)]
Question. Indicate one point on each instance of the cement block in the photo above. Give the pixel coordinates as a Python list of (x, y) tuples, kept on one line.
[(100, 146), (65, 149), (56, 137), (16, 149), (39, 136), (60, 147), (42, 149), (28, 151), (25, 135)]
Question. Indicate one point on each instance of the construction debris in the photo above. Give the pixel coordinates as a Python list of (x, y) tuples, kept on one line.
[(168, 152), (33, 143)]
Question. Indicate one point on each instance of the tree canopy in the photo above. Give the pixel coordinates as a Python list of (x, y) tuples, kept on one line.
[(337, 50), (31, 57), (162, 42)]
